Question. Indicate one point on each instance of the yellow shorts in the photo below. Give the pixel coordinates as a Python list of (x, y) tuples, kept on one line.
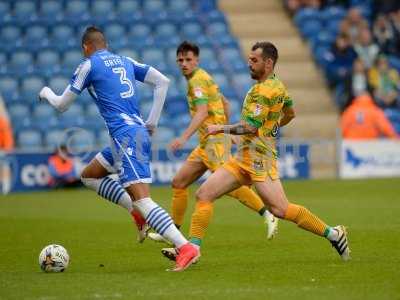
[(247, 172), (213, 155)]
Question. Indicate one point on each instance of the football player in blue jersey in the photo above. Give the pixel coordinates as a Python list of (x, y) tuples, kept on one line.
[(110, 79)]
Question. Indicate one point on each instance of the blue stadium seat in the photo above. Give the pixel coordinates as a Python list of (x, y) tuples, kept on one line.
[(332, 13), (222, 81), (3, 63), (10, 37), (208, 53), (129, 53), (9, 88), (225, 41), (84, 98), (217, 29), (128, 11), (102, 10), (71, 60), (29, 140), (103, 139), (306, 14), (310, 29), (324, 39), (178, 6), (48, 62), (82, 141), (165, 29), (58, 84), (215, 16), (35, 33), (76, 11), (115, 34), (155, 58), (140, 36), (211, 66), (43, 112), (152, 55), (50, 11), (30, 88), (25, 11), (333, 26), (73, 116), (21, 63), (191, 30), (54, 138), (5, 9), (67, 120), (92, 110), (153, 7), (18, 111), (62, 33), (242, 83), (163, 135), (230, 54)]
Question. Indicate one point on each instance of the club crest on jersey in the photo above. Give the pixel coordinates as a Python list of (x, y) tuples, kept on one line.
[(198, 92), (258, 110)]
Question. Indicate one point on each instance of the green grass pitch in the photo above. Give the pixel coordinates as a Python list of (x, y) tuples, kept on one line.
[(237, 261)]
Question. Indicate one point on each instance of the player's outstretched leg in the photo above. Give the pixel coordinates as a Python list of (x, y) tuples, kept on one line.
[(218, 184), (250, 199), (271, 191), (187, 174), (162, 223), (96, 178)]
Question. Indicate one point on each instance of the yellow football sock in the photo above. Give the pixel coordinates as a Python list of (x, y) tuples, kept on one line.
[(249, 198), (305, 219), (179, 204), (200, 220)]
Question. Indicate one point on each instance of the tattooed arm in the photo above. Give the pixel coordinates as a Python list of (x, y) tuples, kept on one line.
[(235, 129)]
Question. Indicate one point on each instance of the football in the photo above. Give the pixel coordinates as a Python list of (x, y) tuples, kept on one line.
[(53, 258)]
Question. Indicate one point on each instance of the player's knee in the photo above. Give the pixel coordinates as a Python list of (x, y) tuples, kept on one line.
[(203, 194), (85, 173), (278, 210), (178, 183)]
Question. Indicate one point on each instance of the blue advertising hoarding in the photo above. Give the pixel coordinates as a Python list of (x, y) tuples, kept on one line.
[(29, 171)]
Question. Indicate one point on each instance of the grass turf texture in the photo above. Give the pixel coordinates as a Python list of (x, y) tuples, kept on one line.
[(237, 262)]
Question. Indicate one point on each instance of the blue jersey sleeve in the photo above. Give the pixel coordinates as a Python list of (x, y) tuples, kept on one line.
[(80, 79), (139, 69)]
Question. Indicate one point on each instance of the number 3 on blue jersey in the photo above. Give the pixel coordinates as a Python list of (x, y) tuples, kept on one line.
[(124, 80)]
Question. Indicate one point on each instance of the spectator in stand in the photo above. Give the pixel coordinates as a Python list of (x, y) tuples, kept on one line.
[(62, 168), (341, 60), (384, 34), (366, 49), (365, 120), (356, 85), (353, 24), (385, 82), (6, 135)]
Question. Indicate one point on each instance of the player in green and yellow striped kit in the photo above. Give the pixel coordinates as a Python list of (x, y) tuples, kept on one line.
[(207, 107)]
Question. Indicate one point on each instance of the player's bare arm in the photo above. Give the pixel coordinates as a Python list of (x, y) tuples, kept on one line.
[(288, 114), (235, 129), (199, 117)]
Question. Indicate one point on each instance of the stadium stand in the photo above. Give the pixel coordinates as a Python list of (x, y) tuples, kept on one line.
[(351, 36), (41, 45)]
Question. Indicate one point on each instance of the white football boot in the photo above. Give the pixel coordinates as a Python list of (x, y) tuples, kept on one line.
[(341, 244), (158, 238), (272, 225)]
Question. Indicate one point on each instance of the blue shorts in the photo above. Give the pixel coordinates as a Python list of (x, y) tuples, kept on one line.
[(129, 156)]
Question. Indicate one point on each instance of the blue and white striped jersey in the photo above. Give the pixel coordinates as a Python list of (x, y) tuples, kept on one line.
[(110, 79)]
